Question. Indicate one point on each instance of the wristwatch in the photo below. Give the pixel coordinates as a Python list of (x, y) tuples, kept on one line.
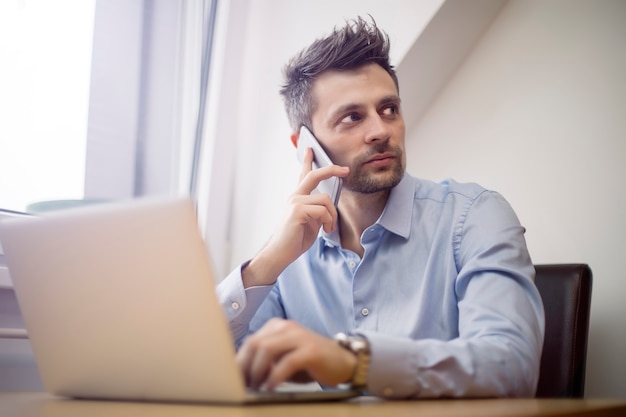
[(360, 347)]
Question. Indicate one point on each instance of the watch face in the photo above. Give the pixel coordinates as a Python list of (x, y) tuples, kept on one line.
[(360, 347)]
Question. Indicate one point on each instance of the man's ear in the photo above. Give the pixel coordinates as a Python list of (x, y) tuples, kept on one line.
[(294, 138)]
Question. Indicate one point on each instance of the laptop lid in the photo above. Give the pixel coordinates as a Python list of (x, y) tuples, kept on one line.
[(119, 302)]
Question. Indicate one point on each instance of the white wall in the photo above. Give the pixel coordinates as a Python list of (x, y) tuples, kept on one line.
[(538, 112)]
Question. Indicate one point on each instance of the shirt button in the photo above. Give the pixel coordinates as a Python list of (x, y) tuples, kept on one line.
[(351, 264), (235, 305), (365, 311), (388, 392)]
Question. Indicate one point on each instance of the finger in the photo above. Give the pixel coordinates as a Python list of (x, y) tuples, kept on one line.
[(314, 206), (307, 163), (244, 359), (260, 367), (321, 360), (259, 351), (255, 360), (311, 179), (275, 341), (315, 211), (290, 364)]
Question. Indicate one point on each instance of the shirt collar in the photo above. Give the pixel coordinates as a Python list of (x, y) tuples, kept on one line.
[(399, 209), (396, 216)]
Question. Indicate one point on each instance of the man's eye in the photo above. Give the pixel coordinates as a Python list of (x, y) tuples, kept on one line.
[(351, 118), (390, 110)]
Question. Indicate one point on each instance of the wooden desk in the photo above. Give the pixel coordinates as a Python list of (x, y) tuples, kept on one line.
[(42, 405)]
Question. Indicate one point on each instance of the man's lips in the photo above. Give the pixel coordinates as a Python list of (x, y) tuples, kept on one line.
[(381, 160)]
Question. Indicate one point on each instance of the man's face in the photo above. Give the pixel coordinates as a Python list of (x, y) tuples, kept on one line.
[(357, 120)]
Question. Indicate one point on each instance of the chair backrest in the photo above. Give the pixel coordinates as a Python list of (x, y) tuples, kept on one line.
[(566, 293)]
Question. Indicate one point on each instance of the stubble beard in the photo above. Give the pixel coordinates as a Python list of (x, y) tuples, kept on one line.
[(366, 180)]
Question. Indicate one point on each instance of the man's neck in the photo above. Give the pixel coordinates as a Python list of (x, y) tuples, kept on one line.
[(357, 212)]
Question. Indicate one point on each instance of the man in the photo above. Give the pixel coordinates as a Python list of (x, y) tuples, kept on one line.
[(409, 288)]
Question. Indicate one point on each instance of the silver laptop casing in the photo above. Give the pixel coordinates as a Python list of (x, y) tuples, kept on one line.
[(119, 303)]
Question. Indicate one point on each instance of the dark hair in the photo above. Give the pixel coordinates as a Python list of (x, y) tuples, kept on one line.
[(352, 46)]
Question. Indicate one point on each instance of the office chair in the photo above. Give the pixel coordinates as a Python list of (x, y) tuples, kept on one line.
[(566, 293)]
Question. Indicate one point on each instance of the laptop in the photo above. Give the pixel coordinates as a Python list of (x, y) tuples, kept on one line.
[(119, 303)]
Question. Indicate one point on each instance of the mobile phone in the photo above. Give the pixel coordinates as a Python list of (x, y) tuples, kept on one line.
[(330, 186)]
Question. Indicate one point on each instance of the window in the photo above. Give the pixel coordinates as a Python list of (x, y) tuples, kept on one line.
[(100, 99), (108, 100), (44, 79)]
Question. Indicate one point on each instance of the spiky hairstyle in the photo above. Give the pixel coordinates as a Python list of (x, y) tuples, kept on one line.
[(352, 46)]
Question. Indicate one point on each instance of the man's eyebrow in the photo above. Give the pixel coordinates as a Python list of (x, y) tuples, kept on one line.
[(393, 98), (349, 107), (346, 108)]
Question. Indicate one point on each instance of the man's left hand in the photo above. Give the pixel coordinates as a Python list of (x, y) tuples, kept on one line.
[(283, 350)]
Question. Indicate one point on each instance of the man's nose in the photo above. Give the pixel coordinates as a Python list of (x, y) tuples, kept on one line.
[(377, 129)]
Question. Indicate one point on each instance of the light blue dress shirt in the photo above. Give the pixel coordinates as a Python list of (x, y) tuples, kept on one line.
[(444, 292)]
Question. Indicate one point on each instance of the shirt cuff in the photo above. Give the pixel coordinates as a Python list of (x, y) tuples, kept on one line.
[(239, 303), (392, 367)]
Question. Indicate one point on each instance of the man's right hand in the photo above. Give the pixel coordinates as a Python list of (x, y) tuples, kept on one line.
[(304, 215)]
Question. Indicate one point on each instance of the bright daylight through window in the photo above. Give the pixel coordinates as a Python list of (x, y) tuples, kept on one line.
[(44, 79)]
